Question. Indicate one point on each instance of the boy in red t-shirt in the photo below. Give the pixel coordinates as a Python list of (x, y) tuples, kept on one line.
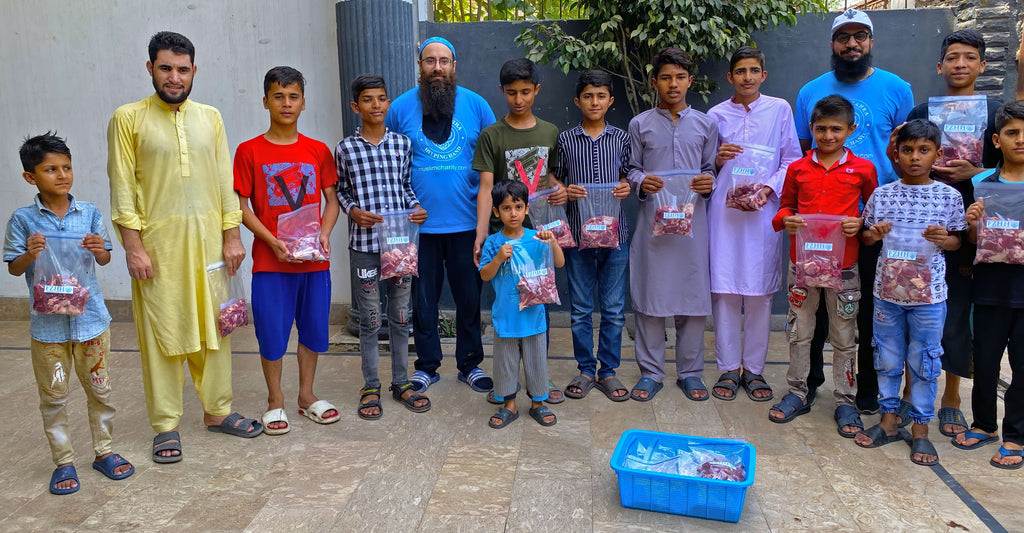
[(829, 180), (278, 173)]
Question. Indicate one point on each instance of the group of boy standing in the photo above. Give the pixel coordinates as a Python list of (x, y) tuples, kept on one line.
[(466, 180)]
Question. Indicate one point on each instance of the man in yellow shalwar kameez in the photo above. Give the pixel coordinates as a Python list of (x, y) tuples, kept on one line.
[(173, 204)]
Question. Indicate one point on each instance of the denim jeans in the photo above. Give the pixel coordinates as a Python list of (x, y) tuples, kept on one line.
[(604, 268), (893, 326)]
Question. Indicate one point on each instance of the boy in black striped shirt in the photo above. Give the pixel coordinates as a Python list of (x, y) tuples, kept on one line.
[(595, 152)]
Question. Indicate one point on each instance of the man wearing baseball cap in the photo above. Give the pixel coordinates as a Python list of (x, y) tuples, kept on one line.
[(881, 101), (443, 121)]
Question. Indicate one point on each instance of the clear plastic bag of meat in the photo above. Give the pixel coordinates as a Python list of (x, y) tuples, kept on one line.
[(299, 230), (962, 120), (59, 275), (399, 241), (551, 217), (906, 275), (1000, 235), (820, 248), (674, 203), (749, 171), (723, 462), (228, 292), (599, 211), (533, 264)]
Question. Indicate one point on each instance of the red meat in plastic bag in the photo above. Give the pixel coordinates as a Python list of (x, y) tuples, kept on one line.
[(1000, 241), (563, 236), (906, 280), (537, 288), (600, 232), (819, 271), (231, 316), (961, 146), (305, 248), (398, 262), (745, 196), (59, 295), (722, 470), (673, 220)]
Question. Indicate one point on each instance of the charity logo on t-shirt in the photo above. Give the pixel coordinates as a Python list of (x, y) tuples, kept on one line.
[(289, 183), (864, 120), (451, 149)]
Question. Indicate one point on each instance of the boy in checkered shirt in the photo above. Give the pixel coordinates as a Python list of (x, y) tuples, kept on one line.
[(374, 172)]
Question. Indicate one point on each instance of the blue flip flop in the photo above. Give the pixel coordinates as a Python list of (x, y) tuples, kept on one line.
[(64, 473), (1003, 453), (647, 385), (109, 463), (983, 439), (791, 406), (691, 384), (476, 379), (421, 381)]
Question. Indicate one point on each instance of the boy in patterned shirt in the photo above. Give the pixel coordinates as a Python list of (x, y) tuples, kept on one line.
[(374, 173), (914, 199)]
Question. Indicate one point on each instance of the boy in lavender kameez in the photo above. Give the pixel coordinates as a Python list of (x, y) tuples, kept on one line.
[(669, 275), (746, 259)]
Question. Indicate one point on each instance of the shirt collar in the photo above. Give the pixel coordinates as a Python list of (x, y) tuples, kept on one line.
[(157, 101), (579, 131), (44, 209), (743, 108), (387, 135), (668, 114), (842, 160)]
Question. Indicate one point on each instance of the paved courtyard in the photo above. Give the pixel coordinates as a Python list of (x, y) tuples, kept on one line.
[(445, 470)]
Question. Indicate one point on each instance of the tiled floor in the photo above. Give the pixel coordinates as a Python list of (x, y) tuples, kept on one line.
[(447, 471)]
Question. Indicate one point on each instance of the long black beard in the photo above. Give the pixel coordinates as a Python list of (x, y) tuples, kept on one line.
[(438, 97), (850, 71)]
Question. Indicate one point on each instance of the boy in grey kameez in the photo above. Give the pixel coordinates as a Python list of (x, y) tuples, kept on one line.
[(670, 274)]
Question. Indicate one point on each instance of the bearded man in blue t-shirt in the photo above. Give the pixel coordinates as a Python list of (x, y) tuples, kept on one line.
[(443, 121)]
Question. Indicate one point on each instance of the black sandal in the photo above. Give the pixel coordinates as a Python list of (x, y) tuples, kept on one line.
[(363, 393), (410, 403)]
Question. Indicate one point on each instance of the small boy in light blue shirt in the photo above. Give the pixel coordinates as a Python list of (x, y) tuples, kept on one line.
[(60, 341)]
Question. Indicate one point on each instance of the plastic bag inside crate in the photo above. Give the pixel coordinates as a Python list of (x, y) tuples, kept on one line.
[(749, 171), (229, 294), (58, 274), (962, 120), (551, 217), (299, 230), (599, 211), (1000, 235), (820, 247), (674, 203), (399, 241), (723, 462), (533, 264), (906, 265)]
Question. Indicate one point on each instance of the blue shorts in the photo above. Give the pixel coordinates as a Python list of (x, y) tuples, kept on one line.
[(279, 299)]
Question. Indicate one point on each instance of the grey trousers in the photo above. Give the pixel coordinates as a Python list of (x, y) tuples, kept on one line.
[(533, 352), (365, 271), (650, 346)]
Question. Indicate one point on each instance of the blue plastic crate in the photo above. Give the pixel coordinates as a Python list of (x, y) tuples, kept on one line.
[(677, 494)]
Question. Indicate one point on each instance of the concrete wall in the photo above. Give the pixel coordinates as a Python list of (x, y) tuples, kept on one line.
[(68, 65)]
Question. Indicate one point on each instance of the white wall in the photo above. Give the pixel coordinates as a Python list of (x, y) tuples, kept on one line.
[(68, 64)]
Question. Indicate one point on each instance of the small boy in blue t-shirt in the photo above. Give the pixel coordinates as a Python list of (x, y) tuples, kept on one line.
[(61, 340), (519, 333)]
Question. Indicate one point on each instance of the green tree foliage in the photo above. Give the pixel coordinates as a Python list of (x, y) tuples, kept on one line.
[(480, 10), (622, 35)]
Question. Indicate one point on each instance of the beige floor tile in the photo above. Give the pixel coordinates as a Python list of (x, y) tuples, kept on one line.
[(475, 480), (434, 523), (557, 502), (386, 502)]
